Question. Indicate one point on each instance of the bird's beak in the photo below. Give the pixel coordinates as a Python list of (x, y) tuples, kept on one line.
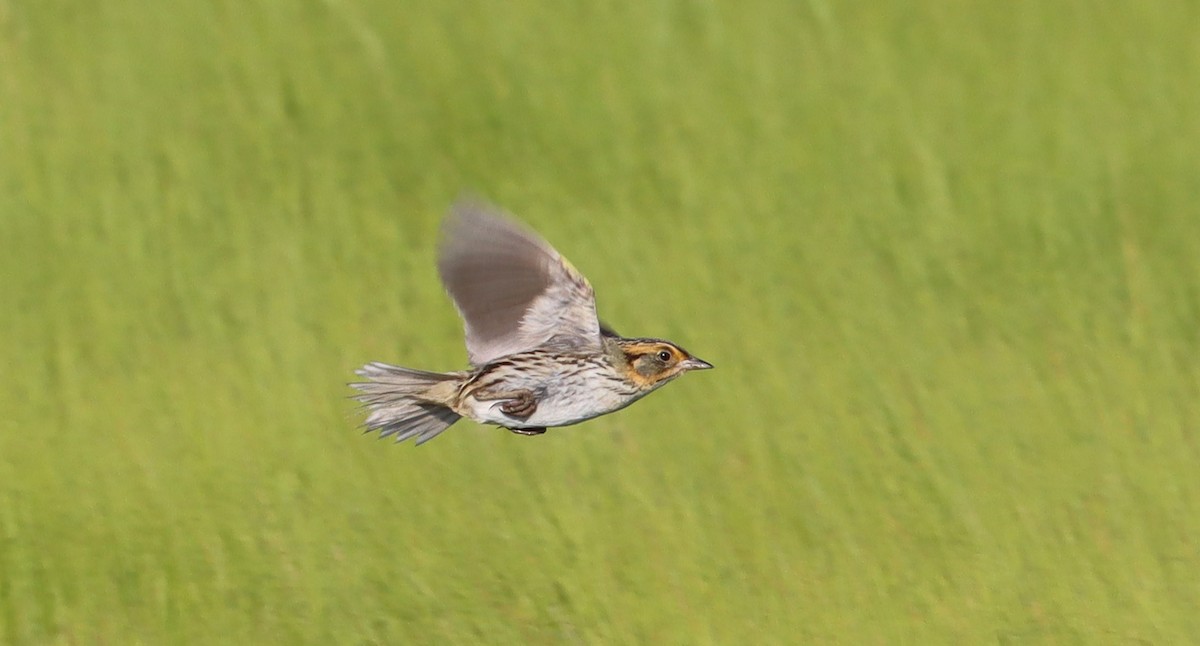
[(692, 363)]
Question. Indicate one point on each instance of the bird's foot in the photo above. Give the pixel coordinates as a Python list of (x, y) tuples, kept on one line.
[(520, 404), (528, 431)]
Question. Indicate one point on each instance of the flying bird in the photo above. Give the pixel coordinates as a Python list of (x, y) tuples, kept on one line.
[(540, 357)]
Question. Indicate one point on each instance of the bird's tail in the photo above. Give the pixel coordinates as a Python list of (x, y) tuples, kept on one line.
[(407, 403)]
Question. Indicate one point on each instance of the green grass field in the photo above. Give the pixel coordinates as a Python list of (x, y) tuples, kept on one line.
[(945, 257)]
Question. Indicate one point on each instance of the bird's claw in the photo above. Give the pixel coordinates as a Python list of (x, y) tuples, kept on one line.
[(520, 405)]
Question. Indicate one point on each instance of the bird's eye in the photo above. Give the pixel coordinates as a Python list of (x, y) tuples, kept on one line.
[(664, 356)]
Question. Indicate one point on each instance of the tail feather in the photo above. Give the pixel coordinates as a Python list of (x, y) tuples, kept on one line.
[(423, 425), (406, 403)]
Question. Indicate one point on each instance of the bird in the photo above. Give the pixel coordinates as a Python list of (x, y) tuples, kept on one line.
[(540, 357)]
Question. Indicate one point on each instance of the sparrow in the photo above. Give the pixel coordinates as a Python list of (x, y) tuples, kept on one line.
[(540, 357)]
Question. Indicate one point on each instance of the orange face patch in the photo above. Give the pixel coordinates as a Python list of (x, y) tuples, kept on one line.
[(652, 362), (653, 347)]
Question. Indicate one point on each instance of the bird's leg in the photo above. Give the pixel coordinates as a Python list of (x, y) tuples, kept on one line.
[(528, 431), (520, 404)]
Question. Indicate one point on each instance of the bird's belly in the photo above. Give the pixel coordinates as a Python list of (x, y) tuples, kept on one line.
[(546, 415), (558, 404)]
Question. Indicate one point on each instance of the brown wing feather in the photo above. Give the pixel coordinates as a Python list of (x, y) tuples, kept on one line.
[(512, 289)]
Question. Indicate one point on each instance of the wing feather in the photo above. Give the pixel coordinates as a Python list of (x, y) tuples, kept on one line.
[(512, 289)]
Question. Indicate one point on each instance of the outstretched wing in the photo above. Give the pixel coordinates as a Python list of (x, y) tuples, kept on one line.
[(512, 289)]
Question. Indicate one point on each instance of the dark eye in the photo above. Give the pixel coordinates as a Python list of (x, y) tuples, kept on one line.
[(664, 356)]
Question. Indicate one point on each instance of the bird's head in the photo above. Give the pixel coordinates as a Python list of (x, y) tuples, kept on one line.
[(650, 363)]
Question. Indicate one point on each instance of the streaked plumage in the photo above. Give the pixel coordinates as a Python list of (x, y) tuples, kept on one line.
[(540, 356)]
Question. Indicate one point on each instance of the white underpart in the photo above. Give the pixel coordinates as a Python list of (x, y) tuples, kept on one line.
[(562, 400)]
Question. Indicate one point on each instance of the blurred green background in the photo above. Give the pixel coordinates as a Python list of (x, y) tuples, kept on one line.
[(945, 256)]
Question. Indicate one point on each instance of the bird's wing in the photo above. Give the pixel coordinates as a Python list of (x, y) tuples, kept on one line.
[(512, 289)]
